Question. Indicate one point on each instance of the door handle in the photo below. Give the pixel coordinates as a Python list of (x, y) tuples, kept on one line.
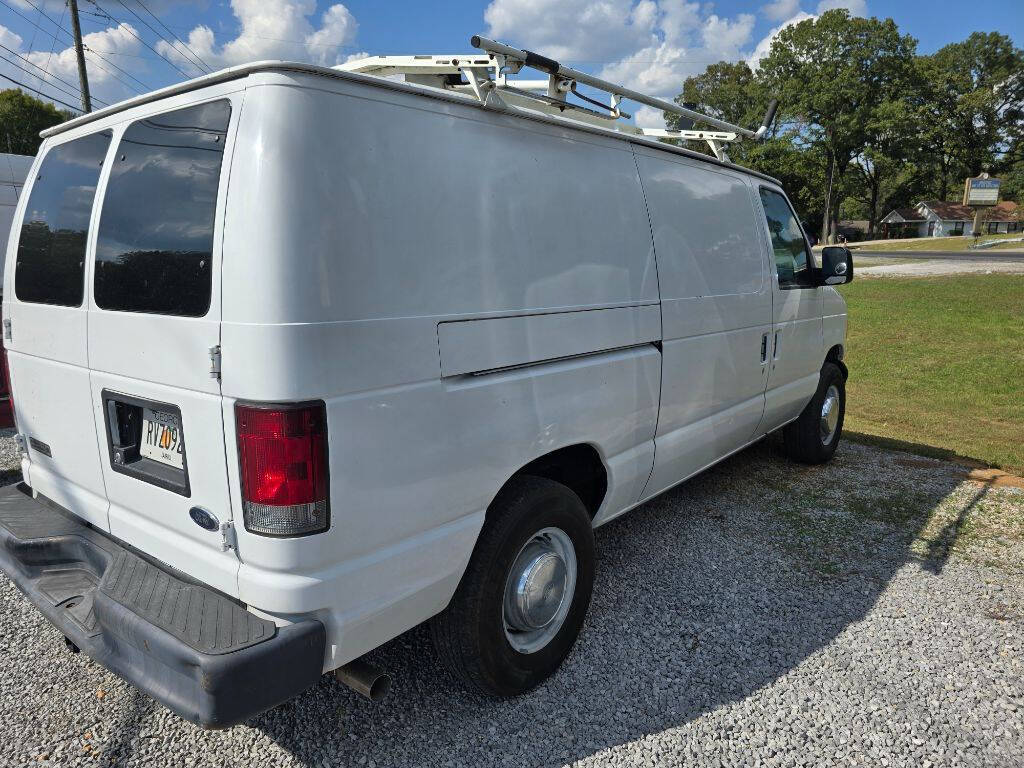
[(764, 348), (775, 353)]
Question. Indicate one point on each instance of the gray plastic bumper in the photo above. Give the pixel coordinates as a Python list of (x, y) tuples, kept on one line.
[(189, 647)]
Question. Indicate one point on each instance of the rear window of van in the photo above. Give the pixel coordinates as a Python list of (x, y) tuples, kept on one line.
[(154, 248), (51, 245)]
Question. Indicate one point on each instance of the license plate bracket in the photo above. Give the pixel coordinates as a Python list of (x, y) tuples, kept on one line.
[(145, 440)]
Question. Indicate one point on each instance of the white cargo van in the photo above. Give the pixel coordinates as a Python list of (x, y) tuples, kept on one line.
[(302, 358)]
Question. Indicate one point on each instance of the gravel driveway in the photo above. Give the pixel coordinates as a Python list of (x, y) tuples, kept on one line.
[(870, 612)]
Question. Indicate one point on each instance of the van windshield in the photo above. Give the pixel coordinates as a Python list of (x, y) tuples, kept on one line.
[(155, 243), (51, 245)]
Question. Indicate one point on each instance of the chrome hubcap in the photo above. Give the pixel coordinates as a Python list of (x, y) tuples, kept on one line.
[(829, 415), (539, 590)]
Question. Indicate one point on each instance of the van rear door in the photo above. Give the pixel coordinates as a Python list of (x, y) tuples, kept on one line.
[(154, 322), (46, 320)]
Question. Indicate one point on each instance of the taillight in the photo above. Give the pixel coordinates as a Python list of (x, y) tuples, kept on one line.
[(282, 450)]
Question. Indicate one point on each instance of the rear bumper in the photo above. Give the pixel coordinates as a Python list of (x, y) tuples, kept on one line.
[(189, 647)]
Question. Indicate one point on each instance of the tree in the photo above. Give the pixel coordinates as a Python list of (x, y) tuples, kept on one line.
[(22, 117), (724, 90), (831, 75), (973, 112), (893, 165)]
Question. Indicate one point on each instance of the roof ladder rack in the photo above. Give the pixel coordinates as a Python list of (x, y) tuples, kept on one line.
[(486, 77)]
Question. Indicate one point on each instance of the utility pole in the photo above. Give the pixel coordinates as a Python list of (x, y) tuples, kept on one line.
[(83, 77)]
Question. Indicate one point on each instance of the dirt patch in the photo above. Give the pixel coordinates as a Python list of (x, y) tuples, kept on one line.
[(995, 477)]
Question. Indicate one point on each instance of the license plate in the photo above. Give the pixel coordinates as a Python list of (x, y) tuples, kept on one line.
[(161, 438)]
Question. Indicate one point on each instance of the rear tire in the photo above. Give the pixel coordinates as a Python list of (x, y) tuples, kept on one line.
[(485, 637), (814, 436)]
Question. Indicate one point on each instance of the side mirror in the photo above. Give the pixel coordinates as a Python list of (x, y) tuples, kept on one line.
[(836, 265)]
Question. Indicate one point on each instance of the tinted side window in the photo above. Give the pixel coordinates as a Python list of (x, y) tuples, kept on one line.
[(791, 258), (51, 246), (155, 241)]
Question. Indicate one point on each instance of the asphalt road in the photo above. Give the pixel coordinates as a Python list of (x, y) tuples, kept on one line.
[(986, 255), (764, 613)]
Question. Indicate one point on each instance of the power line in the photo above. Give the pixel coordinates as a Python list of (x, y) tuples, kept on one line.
[(131, 31), (200, 62), (74, 94), (161, 23), (53, 42), (33, 64), (36, 90), (96, 54), (30, 73), (32, 42)]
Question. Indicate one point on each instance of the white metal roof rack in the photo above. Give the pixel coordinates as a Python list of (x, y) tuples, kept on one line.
[(486, 76)]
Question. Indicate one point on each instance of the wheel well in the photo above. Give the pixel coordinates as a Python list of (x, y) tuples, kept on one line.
[(578, 467), (835, 355)]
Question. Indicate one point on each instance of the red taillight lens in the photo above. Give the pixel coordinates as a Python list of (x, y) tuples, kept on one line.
[(282, 451)]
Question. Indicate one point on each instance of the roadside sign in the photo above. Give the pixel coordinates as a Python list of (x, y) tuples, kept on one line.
[(981, 191)]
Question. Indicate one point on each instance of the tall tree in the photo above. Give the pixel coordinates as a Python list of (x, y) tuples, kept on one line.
[(22, 117), (726, 90), (831, 75), (893, 164), (973, 110)]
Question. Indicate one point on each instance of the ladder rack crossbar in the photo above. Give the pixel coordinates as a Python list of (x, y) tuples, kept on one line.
[(544, 64), (486, 79)]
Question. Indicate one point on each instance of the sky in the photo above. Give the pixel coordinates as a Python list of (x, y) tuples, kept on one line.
[(649, 45)]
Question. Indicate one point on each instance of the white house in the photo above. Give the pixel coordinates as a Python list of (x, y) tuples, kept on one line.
[(935, 218), (13, 170)]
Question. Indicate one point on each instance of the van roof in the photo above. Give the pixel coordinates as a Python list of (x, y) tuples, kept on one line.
[(244, 70)]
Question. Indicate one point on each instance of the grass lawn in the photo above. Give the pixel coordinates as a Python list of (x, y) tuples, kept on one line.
[(944, 244), (939, 363)]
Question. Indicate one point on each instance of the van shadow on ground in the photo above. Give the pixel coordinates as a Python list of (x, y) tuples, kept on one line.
[(703, 596)]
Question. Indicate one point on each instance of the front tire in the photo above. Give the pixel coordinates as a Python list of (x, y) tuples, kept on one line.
[(814, 436), (521, 603)]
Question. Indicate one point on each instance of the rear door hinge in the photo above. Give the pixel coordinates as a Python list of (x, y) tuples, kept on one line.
[(215, 362), (227, 534), (8, 330)]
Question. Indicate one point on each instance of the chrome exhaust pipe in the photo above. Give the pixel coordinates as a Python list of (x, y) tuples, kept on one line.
[(365, 679)]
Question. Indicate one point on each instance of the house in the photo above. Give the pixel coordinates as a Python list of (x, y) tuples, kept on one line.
[(1006, 216), (935, 218)]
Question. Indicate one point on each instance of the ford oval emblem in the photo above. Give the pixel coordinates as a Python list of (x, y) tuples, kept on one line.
[(204, 519)]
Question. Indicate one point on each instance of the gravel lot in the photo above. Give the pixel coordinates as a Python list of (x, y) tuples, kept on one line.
[(870, 612)]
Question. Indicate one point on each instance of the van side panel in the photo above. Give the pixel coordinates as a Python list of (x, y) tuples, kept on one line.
[(364, 229), (716, 309), (473, 346)]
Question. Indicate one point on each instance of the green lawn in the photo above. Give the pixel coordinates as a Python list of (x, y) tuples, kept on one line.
[(939, 363), (943, 244)]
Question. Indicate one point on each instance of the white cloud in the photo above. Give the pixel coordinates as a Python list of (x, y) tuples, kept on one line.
[(574, 30), (649, 45), (10, 39), (56, 74), (855, 7), (780, 9), (649, 117), (272, 29), (764, 46)]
